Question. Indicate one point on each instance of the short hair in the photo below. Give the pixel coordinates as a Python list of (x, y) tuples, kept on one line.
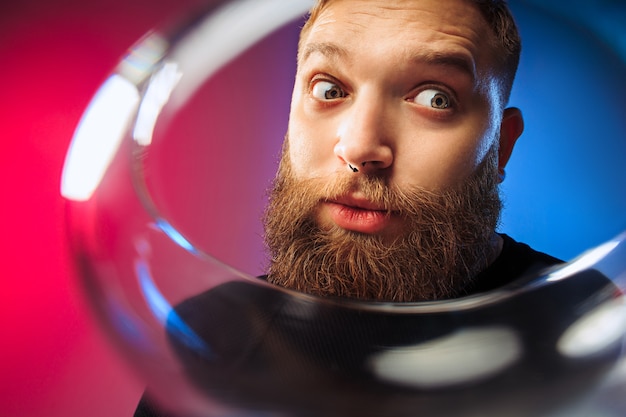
[(498, 16)]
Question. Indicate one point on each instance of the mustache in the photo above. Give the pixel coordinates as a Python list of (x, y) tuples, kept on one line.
[(405, 201)]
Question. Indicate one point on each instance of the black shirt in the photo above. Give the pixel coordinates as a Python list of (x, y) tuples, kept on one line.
[(517, 260)]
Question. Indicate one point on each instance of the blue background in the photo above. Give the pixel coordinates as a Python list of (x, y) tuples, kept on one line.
[(565, 185)]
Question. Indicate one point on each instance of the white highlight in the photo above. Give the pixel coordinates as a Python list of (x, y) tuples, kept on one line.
[(584, 261), (465, 356), (98, 137), (157, 94), (596, 331)]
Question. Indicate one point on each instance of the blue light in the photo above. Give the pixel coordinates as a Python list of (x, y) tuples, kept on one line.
[(164, 312), (175, 235)]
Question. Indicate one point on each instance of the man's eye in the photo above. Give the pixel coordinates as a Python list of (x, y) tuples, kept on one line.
[(325, 90), (433, 98)]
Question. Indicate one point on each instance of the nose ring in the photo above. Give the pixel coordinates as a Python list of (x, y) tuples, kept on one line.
[(353, 168)]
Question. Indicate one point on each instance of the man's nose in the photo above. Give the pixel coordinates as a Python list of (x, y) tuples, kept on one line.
[(365, 137)]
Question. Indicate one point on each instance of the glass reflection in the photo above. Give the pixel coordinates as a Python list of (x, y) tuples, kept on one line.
[(175, 284)]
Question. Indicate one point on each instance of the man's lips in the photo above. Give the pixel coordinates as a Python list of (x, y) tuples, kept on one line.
[(358, 203), (358, 215)]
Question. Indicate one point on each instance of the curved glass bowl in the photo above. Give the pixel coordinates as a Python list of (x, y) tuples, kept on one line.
[(165, 182)]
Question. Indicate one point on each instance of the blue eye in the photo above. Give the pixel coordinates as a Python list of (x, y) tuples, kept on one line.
[(433, 98), (325, 90)]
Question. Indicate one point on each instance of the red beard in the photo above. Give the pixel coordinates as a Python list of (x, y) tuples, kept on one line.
[(447, 238)]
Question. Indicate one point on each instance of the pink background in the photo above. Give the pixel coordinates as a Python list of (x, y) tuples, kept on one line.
[(54, 55)]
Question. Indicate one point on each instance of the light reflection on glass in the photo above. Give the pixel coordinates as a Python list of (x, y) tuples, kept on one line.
[(179, 313), (98, 137)]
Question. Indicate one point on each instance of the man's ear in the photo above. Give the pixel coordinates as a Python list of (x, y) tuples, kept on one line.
[(511, 128)]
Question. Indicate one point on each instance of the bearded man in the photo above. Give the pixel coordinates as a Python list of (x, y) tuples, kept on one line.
[(397, 140)]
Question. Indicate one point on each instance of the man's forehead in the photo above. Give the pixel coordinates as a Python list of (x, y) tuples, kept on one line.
[(450, 31), (399, 11)]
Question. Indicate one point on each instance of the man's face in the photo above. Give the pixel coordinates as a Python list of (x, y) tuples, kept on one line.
[(404, 87), (390, 96)]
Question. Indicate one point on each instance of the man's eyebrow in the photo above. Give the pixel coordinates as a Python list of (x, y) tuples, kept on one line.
[(458, 61), (329, 50)]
